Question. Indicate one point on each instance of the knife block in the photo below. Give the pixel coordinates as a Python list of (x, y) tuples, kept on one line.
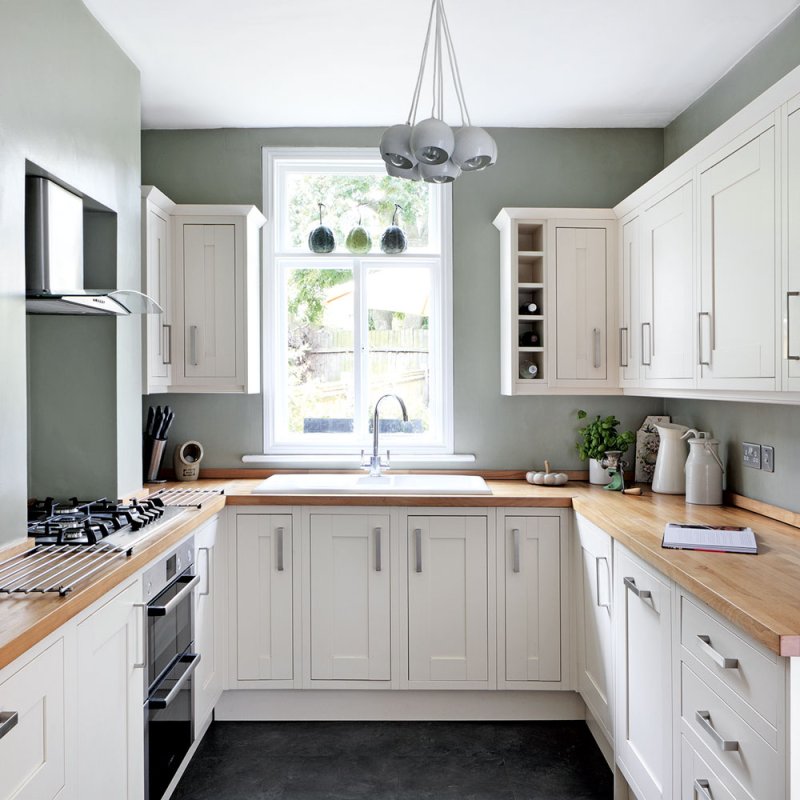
[(152, 455)]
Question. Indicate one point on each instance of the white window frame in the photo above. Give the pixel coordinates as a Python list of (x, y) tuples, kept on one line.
[(273, 158)]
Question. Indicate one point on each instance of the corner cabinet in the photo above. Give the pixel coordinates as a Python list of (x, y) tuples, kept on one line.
[(201, 262), (790, 300), (558, 301)]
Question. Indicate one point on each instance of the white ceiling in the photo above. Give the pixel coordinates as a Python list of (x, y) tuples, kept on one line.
[(527, 63)]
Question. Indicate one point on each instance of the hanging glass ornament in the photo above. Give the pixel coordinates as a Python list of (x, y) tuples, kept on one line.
[(394, 240), (321, 239)]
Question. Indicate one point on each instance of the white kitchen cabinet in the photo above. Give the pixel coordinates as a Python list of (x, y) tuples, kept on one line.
[(791, 227), (33, 752), (209, 618), (262, 596), (643, 669), (666, 289), (530, 600), (739, 265), (448, 601), (350, 596), (157, 278), (629, 341), (110, 687), (594, 593)]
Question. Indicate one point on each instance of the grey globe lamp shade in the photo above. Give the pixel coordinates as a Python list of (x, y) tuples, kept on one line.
[(439, 173), (409, 174), (474, 149), (396, 147), (432, 141)]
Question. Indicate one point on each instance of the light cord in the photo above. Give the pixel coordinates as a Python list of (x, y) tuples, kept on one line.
[(412, 112)]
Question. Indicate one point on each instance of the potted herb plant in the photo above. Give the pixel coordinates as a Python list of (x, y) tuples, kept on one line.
[(596, 437)]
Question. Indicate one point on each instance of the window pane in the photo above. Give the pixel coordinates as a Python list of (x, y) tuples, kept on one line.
[(398, 302), (342, 194), (320, 365)]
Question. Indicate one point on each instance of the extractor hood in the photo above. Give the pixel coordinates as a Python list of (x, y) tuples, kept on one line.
[(54, 258)]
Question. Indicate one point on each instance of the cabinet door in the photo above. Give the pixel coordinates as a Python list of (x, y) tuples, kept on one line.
[(350, 597), (643, 697), (158, 327), (32, 753), (581, 304), (110, 700), (791, 298), (210, 300), (533, 598), (595, 654), (630, 309), (209, 622), (738, 227), (448, 599), (666, 330), (264, 597)]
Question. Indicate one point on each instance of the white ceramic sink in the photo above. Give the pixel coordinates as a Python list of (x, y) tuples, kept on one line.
[(322, 483)]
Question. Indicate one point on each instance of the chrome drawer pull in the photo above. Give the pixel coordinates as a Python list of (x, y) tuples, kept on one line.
[(702, 790), (623, 349), (378, 560), (191, 660), (189, 582), (789, 296), (207, 591), (193, 345), (649, 361), (418, 542), (597, 581), (279, 565), (515, 563), (704, 720), (596, 342), (8, 720), (166, 346), (630, 583), (715, 655)]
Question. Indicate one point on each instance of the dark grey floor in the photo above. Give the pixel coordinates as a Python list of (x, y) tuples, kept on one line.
[(397, 761)]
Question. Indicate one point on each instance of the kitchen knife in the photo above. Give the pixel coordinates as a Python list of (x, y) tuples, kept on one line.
[(168, 420), (151, 418)]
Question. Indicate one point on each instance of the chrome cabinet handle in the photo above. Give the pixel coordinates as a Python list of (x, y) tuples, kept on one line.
[(166, 344), (279, 534), (378, 564), (8, 720), (701, 789), (597, 581), (717, 657), (630, 583), (649, 327), (623, 347), (162, 611), (207, 591), (515, 558), (140, 662), (418, 548), (700, 338), (193, 345), (596, 350), (789, 356), (192, 660), (704, 720)]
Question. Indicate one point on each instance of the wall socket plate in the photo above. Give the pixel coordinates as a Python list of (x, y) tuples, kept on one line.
[(767, 458), (751, 455)]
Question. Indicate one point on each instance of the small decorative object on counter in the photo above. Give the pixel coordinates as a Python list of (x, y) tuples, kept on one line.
[(596, 438), (614, 463), (321, 239), (547, 478), (358, 240), (704, 469), (154, 441), (187, 460), (647, 448), (394, 240)]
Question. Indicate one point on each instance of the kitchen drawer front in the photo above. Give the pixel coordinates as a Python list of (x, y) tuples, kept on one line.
[(699, 782), (754, 763), (756, 679)]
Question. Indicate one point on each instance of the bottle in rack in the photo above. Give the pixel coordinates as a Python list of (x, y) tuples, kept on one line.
[(528, 370), (528, 339), (527, 309)]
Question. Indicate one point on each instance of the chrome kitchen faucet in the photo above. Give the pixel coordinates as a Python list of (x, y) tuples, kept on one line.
[(375, 464)]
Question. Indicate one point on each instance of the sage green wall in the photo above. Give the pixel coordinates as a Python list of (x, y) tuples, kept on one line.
[(572, 168), (69, 103), (770, 60)]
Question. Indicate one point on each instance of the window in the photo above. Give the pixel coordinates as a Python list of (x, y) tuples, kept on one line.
[(342, 329)]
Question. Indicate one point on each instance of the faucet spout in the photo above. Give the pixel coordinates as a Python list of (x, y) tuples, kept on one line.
[(375, 464)]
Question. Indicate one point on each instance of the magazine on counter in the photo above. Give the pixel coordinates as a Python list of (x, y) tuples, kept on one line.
[(718, 539)]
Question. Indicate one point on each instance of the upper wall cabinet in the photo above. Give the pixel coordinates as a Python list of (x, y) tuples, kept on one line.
[(558, 310), (629, 309), (791, 226), (202, 264)]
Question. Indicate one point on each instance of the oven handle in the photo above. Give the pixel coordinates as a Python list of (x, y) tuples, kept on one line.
[(192, 660), (161, 611)]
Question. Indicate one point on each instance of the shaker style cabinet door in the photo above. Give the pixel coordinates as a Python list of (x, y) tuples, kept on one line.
[(263, 597), (350, 597), (791, 296), (738, 268), (448, 599), (630, 303), (32, 732)]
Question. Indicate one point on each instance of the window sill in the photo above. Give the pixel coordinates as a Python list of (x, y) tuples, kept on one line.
[(353, 461)]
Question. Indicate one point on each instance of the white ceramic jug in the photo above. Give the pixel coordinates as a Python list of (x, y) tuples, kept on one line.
[(669, 476), (704, 469)]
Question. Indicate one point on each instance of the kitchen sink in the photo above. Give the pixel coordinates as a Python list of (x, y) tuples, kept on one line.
[(330, 483)]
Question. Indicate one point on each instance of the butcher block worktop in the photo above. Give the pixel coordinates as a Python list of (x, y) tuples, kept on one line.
[(760, 594)]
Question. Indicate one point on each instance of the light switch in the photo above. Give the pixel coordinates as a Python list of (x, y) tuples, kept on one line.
[(767, 458)]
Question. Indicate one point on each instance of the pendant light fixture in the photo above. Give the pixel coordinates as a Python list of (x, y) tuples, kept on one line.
[(429, 149)]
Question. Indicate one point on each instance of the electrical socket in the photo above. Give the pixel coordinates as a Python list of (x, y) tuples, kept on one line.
[(751, 455), (767, 458)]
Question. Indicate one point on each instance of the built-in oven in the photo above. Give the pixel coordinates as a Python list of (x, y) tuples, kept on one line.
[(170, 664)]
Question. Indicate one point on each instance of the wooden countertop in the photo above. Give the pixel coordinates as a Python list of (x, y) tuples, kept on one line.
[(760, 594)]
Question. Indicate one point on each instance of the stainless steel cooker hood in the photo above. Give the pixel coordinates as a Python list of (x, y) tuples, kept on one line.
[(54, 258)]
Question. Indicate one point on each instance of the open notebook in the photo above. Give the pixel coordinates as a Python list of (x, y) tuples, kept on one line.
[(723, 539)]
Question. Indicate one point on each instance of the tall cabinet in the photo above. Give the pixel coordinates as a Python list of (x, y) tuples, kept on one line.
[(790, 301)]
